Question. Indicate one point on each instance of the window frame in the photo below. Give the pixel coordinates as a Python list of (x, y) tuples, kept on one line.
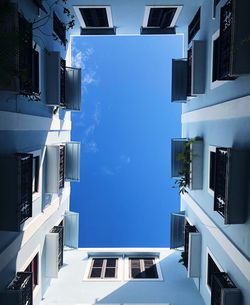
[(81, 20), (147, 13), (107, 279), (211, 149), (36, 195), (128, 268), (209, 252)]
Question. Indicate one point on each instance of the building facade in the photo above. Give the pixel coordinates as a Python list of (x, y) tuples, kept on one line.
[(122, 276), (38, 90), (211, 160)]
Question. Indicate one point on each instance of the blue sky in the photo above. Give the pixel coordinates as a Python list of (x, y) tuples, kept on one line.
[(127, 121)]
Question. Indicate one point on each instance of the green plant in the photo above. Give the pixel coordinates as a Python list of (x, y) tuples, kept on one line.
[(185, 158)]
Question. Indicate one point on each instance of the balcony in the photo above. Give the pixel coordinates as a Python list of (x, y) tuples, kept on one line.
[(16, 194), (54, 251), (187, 162), (234, 46), (224, 291), (63, 163), (63, 83), (19, 291), (231, 184), (16, 51), (188, 74)]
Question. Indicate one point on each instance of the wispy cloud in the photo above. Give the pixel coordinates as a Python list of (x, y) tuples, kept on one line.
[(90, 147), (107, 171)]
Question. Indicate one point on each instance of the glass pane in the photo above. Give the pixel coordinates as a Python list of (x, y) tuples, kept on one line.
[(109, 273), (96, 273), (136, 273), (151, 273), (111, 262), (98, 262)]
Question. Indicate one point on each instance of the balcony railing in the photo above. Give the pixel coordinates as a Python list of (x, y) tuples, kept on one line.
[(59, 230), (62, 166), (231, 184), (225, 41), (223, 289), (222, 171), (21, 289), (234, 44), (62, 80), (189, 71)]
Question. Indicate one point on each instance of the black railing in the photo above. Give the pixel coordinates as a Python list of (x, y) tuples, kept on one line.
[(61, 165), (59, 29), (22, 283), (25, 186), (59, 230), (221, 179), (188, 229), (219, 281), (62, 80), (225, 45), (189, 71)]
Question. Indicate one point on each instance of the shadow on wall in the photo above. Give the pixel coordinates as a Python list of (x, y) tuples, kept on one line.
[(174, 288)]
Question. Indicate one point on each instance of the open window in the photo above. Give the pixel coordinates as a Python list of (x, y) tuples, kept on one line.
[(160, 19), (95, 20)]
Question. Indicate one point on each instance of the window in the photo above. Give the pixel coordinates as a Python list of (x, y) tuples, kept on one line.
[(194, 26), (161, 16), (215, 75), (59, 29), (211, 269), (36, 68), (211, 169), (95, 20), (35, 174), (33, 267), (142, 268), (103, 268)]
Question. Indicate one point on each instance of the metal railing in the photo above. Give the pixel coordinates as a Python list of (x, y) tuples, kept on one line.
[(22, 283), (188, 229), (62, 166), (62, 80), (221, 179), (219, 281), (59, 230)]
